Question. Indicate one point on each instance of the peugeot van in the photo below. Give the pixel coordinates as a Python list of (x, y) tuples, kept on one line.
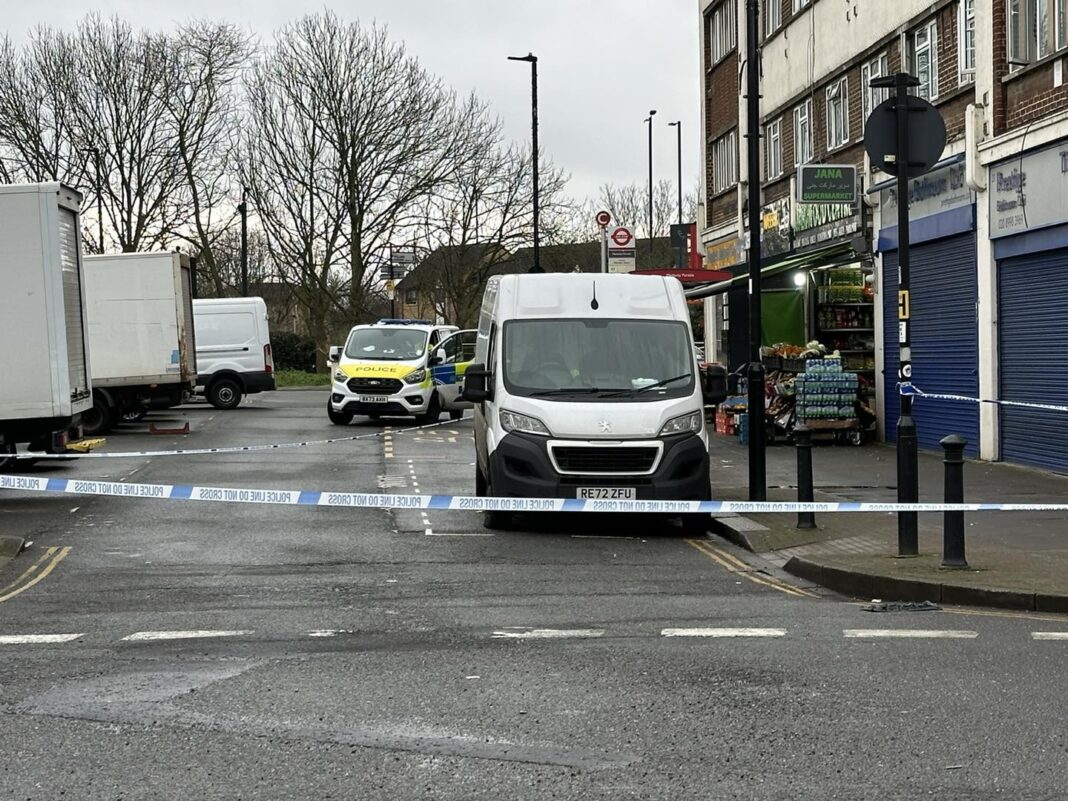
[(587, 386), (400, 368)]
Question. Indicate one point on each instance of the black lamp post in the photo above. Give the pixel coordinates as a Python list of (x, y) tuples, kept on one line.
[(533, 61), (242, 208), (649, 122), (677, 125)]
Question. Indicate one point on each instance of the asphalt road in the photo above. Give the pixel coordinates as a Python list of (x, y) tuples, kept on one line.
[(260, 652)]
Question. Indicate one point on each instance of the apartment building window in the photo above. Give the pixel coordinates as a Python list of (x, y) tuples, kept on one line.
[(923, 59), (799, 4), (803, 133), (725, 162), (410, 298), (966, 40), (837, 114), (1037, 28), (878, 67), (772, 16), (773, 157), (723, 30)]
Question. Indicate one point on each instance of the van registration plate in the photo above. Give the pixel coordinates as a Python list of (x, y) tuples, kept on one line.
[(607, 494), (371, 398)]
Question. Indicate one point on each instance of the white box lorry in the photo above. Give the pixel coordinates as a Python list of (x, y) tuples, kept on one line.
[(141, 334), (44, 351)]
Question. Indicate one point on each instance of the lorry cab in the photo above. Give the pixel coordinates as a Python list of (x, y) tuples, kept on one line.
[(587, 386), (400, 368)]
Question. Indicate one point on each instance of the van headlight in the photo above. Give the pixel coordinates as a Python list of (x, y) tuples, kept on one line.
[(340, 377), (416, 376), (521, 423), (685, 424)]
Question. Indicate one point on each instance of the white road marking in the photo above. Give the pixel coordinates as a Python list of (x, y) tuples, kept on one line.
[(547, 634), (461, 533), (908, 634), (328, 632), (142, 636), (723, 633), (36, 639), (1049, 635)]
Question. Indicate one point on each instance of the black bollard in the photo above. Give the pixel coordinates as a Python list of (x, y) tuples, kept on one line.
[(804, 475), (953, 524)]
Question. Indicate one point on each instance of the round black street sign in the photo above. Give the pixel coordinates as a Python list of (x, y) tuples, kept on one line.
[(927, 136)]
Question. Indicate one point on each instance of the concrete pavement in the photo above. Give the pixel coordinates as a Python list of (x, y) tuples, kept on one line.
[(1016, 559)]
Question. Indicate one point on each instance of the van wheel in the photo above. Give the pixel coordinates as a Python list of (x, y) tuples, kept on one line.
[(99, 419), (695, 525), (432, 413), (456, 414), (491, 520), (338, 418), (224, 394)]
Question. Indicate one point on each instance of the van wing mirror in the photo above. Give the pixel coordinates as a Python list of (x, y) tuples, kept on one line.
[(335, 353), (438, 357), (477, 384), (714, 384)]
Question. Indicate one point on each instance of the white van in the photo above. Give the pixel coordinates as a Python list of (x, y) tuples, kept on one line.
[(586, 386), (233, 349), (407, 368)]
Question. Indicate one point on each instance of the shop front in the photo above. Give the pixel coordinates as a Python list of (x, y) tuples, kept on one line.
[(942, 306), (1029, 228)]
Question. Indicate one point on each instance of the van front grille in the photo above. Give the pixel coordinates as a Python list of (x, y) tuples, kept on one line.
[(571, 459), (376, 386)]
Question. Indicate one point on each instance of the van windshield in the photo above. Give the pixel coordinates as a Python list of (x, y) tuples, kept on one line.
[(621, 360), (386, 344)]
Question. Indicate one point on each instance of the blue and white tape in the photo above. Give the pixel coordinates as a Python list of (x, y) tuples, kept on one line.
[(362, 500), (916, 392), (231, 449)]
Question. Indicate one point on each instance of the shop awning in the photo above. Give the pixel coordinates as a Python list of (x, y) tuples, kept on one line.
[(838, 253)]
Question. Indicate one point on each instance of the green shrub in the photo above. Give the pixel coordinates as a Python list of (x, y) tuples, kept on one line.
[(293, 352)]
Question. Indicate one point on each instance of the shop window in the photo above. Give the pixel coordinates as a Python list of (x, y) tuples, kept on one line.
[(923, 59), (966, 40), (773, 157), (803, 133), (878, 67), (837, 114), (723, 30), (725, 162)]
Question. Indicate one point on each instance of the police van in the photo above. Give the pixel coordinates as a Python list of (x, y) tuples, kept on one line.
[(402, 368)]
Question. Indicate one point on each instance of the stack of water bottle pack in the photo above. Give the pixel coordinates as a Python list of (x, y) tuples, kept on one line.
[(825, 392)]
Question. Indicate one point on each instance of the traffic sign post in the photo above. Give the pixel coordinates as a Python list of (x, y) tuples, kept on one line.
[(905, 136), (621, 248), (603, 220)]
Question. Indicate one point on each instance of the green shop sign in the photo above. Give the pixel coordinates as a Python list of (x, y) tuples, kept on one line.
[(827, 183)]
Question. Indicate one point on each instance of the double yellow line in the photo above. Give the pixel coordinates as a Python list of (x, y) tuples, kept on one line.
[(738, 567), (37, 572)]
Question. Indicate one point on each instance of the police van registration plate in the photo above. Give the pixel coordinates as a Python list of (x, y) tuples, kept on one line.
[(371, 398), (607, 494)]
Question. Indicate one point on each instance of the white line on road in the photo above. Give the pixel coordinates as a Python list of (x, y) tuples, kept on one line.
[(547, 634), (723, 633), (908, 634), (142, 636), (328, 632), (1049, 635), (36, 639)]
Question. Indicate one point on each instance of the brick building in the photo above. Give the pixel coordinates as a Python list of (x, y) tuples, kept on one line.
[(988, 224)]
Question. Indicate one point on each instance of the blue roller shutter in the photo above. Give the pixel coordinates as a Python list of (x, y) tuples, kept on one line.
[(1033, 357), (945, 340)]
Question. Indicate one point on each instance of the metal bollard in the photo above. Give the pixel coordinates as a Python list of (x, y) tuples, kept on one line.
[(953, 523), (804, 475)]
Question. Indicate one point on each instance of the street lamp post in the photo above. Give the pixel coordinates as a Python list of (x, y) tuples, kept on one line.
[(649, 122), (243, 209), (533, 61), (677, 125)]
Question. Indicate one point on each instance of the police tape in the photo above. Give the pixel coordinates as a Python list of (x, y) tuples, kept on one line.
[(361, 500), (914, 391), (39, 456)]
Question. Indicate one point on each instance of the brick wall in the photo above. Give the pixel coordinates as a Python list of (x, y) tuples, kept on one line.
[(1032, 96), (724, 208), (1000, 54), (720, 116)]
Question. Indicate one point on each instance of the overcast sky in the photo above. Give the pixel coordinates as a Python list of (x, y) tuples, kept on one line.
[(601, 65)]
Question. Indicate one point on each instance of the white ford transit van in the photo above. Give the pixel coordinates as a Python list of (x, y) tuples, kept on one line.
[(586, 386), (233, 349)]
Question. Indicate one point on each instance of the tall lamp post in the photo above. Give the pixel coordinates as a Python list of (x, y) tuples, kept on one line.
[(242, 208), (532, 59), (677, 125), (649, 122)]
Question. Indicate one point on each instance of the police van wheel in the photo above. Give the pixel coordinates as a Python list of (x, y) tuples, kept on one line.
[(338, 418), (433, 411)]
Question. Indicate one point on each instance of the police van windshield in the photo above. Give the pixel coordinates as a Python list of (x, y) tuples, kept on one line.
[(621, 360), (386, 344)]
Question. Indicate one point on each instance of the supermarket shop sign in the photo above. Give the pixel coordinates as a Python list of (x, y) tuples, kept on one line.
[(1029, 192)]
